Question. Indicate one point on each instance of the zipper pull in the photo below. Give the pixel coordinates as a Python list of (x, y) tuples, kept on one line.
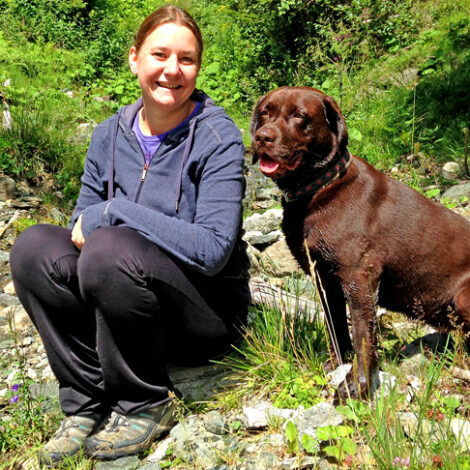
[(144, 172)]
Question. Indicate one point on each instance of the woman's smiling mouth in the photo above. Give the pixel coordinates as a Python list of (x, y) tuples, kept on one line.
[(169, 86)]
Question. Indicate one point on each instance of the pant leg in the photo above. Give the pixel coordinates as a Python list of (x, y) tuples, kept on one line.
[(144, 302), (44, 270)]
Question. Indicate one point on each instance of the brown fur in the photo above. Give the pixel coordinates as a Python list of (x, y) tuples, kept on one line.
[(375, 240)]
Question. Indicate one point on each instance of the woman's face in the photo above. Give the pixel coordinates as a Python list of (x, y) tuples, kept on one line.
[(167, 66)]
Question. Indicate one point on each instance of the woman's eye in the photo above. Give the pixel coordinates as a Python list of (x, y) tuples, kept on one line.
[(187, 60)]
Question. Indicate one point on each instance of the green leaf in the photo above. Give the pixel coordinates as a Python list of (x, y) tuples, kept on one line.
[(291, 431), (332, 451), (326, 433), (310, 444)]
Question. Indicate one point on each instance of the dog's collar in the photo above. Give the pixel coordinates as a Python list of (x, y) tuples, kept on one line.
[(336, 169)]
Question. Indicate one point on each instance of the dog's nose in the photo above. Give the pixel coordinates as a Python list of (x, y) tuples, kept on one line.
[(265, 135)]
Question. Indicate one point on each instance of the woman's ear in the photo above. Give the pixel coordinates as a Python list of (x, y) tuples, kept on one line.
[(133, 60)]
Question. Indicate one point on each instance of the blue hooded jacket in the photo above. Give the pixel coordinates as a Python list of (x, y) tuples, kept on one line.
[(190, 201)]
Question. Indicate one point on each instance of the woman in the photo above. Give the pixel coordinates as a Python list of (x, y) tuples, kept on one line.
[(153, 269)]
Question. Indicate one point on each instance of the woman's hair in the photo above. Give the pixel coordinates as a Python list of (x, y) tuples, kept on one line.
[(168, 14)]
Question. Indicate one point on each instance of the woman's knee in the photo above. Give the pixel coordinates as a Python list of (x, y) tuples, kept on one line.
[(38, 248), (108, 252)]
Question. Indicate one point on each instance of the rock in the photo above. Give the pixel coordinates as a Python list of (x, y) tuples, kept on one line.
[(451, 170), (160, 451), (259, 238), (436, 430), (14, 323), (265, 223), (7, 188), (461, 430), (323, 414), (125, 463), (199, 383), (215, 423), (337, 376), (9, 299), (254, 417), (415, 365), (264, 460), (150, 466), (253, 256), (384, 384), (44, 390), (457, 191), (306, 462), (195, 445), (277, 260)]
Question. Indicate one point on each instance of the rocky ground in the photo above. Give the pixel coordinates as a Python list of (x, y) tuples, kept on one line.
[(251, 437)]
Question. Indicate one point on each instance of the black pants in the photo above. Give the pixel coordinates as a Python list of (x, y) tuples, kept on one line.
[(113, 315)]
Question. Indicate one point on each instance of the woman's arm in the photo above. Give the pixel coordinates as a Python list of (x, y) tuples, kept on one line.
[(204, 244)]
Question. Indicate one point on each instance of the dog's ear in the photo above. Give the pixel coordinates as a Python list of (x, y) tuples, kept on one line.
[(336, 122), (255, 124)]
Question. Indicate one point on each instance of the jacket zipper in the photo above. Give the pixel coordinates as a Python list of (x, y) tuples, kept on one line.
[(148, 159)]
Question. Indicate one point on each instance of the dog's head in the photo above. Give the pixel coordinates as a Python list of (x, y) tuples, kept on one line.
[(296, 127)]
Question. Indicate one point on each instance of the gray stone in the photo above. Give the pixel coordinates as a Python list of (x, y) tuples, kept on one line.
[(306, 462), (160, 451), (199, 383), (451, 170), (4, 257), (126, 463), (277, 260), (336, 377), (7, 188), (254, 417), (457, 191), (258, 238), (323, 414), (263, 461), (45, 390), (7, 300), (214, 422), (265, 223), (150, 466)]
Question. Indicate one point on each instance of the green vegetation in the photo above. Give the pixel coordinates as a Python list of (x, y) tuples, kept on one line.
[(400, 71)]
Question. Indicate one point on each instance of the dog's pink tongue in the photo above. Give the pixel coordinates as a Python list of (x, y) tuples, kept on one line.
[(268, 166)]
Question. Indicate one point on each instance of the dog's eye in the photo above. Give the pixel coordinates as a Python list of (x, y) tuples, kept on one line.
[(262, 113), (298, 115)]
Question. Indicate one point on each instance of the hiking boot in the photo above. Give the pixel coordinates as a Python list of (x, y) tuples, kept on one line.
[(130, 434), (68, 439)]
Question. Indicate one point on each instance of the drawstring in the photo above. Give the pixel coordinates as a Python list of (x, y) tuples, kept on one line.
[(187, 149), (113, 148)]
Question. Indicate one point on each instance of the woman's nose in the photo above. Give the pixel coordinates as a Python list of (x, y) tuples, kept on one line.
[(172, 66)]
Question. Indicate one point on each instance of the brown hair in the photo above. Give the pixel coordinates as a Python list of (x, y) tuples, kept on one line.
[(168, 14)]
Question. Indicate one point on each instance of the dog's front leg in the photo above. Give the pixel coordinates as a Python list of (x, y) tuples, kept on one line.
[(334, 304), (360, 291)]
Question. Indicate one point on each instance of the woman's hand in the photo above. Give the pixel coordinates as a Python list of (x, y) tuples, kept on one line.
[(77, 236)]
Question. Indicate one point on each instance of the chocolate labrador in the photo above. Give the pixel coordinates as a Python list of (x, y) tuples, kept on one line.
[(374, 241)]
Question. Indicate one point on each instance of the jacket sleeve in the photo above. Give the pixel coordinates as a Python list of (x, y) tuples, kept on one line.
[(94, 182), (204, 244)]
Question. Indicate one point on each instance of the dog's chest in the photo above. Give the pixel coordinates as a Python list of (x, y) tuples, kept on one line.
[(302, 228)]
